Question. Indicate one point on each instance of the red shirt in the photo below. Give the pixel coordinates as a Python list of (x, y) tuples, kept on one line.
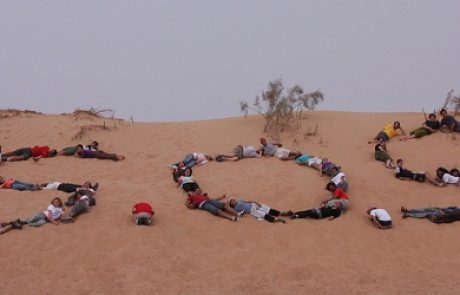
[(40, 151), (197, 199), (340, 194), (142, 207)]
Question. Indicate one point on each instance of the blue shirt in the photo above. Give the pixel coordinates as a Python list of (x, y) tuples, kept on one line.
[(269, 149), (243, 206)]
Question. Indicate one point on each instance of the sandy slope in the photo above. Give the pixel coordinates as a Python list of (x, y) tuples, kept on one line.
[(192, 252)]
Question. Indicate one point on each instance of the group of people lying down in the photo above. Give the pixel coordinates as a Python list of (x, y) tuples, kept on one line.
[(231, 208), (79, 201), (442, 175), (39, 152)]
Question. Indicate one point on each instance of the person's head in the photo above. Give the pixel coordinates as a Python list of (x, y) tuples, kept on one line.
[(334, 171), (57, 202), (455, 172), (87, 184), (399, 162), (368, 211), (52, 153), (441, 171), (79, 147), (232, 203), (396, 125), (188, 172), (95, 144), (432, 117), (263, 141), (331, 186), (443, 113)]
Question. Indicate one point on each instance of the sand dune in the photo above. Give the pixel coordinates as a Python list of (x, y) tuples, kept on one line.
[(192, 252)]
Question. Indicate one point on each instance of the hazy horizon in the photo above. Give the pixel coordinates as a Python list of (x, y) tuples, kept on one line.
[(176, 60)]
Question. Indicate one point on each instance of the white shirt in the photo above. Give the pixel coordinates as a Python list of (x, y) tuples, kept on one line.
[(56, 212), (282, 153), (381, 214), (52, 185), (338, 178), (447, 178)]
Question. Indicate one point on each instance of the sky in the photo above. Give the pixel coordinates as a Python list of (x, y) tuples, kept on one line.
[(189, 60)]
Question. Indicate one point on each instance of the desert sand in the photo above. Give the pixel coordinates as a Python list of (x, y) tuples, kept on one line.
[(192, 252)]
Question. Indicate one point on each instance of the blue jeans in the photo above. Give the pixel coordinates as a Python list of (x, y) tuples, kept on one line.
[(23, 186), (189, 161), (213, 206), (38, 220)]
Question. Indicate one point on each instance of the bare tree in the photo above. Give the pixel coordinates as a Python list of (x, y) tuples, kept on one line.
[(282, 108), (453, 101)]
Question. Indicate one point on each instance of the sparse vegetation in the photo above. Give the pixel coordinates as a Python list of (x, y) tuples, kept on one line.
[(93, 113), (282, 109), (453, 101)]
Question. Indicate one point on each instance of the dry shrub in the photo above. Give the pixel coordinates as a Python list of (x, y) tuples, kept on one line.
[(282, 108), (452, 101), (93, 113)]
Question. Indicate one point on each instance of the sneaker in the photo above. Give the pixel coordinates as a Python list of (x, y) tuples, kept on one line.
[(241, 213)]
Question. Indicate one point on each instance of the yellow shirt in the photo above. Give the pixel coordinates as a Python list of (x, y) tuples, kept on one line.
[(390, 130)]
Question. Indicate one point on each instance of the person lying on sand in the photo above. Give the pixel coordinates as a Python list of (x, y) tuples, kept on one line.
[(67, 187), (82, 153), (379, 217), (193, 159), (389, 131), (238, 153), (339, 178), (255, 209), (330, 210), (87, 190), (22, 154), (323, 165), (277, 150), (268, 149), (11, 183), (142, 213), (426, 212), (71, 150), (430, 126), (405, 174), (186, 182), (337, 195), (81, 206), (303, 159), (52, 214), (448, 122), (446, 217), (443, 178), (214, 206), (381, 154)]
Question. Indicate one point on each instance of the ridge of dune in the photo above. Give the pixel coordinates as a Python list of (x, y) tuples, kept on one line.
[(193, 252)]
